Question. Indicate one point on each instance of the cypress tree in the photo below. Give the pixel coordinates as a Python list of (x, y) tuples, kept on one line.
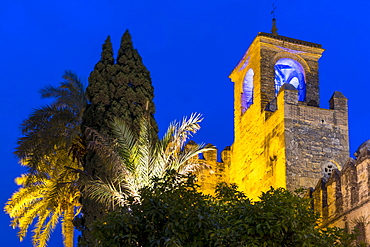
[(99, 91), (122, 89), (135, 92), (99, 96)]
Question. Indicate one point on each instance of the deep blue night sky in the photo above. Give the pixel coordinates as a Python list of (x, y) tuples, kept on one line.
[(190, 47)]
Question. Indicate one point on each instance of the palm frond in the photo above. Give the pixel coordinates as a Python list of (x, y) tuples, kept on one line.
[(46, 230), (70, 94), (42, 219), (180, 133), (26, 219), (21, 200), (139, 158), (105, 148), (187, 159), (50, 144), (126, 142), (106, 192)]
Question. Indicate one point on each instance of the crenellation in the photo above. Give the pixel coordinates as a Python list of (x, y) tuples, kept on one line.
[(297, 135), (284, 139), (319, 196), (210, 156), (348, 199), (362, 180), (334, 194), (338, 102)]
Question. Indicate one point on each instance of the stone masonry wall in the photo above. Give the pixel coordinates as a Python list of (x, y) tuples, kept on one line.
[(209, 178), (258, 154), (282, 142), (313, 138), (343, 199), (307, 54)]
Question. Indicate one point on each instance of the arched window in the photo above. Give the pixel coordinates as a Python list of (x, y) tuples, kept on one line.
[(290, 71), (247, 90)]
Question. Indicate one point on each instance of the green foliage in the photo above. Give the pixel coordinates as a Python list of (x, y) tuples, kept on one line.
[(54, 126), (134, 160), (171, 213), (98, 91), (122, 89), (49, 197), (279, 218), (135, 91), (174, 213), (116, 90), (52, 144)]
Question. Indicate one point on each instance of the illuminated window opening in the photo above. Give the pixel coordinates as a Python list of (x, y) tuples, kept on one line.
[(247, 91), (290, 71)]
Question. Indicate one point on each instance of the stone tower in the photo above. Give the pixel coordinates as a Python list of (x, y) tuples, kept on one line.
[(282, 137)]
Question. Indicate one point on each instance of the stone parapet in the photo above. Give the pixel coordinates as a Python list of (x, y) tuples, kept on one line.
[(217, 171), (347, 200)]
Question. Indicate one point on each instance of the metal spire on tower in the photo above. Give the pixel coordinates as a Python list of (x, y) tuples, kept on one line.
[(274, 28)]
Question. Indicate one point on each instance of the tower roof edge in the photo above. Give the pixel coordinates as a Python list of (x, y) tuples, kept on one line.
[(296, 41)]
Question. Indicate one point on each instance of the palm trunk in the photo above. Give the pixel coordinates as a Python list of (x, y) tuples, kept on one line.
[(67, 227)]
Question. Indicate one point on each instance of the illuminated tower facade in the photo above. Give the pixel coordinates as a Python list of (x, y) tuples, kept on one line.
[(282, 137)]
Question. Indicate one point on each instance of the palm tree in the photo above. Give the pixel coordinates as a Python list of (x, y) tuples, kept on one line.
[(48, 197), (134, 160), (54, 125), (52, 144)]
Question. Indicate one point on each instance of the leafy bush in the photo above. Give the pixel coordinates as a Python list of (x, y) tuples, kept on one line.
[(174, 213)]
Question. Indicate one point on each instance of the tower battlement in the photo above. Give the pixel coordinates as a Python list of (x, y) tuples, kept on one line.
[(282, 137), (217, 171)]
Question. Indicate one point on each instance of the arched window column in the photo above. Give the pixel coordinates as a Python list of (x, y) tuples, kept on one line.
[(290, 71)]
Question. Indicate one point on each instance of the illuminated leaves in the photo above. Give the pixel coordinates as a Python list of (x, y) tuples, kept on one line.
[(51, 145), (173, 213), (133, 160)]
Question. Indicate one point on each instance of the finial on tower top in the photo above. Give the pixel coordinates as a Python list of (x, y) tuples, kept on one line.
[(274, 28)]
